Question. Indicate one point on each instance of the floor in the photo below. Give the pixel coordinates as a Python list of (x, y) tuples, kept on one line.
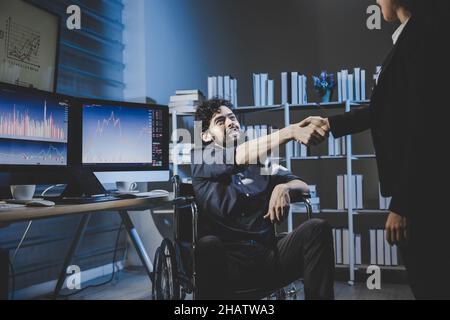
[(133, 284)]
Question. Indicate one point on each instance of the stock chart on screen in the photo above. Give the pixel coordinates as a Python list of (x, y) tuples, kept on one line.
[(33, 128), (121, 135)]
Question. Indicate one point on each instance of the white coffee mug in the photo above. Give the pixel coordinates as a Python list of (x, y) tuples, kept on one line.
[(23, 192), (124, 186)]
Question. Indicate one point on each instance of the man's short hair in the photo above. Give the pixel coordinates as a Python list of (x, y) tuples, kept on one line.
[(206, 111)]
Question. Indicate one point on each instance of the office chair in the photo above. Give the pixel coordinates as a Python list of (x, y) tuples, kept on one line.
[(174, 274)]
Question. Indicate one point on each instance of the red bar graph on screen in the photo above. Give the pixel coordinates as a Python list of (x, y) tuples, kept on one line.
[(20, 125)]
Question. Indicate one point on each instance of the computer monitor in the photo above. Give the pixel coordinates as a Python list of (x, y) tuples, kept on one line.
[(33, 128), (123, 141)]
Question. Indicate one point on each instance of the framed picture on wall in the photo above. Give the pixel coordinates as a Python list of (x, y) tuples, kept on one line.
[(29, 39)]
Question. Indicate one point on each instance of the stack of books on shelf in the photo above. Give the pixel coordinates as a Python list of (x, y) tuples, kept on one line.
[(336, 147), (223, 87), (180, 153), (384, 202), (381, 252), (356, 195), (293, 88), (299, 207), (299, 150), (341, 247), (352, 86), (186, 100), (263, 90)]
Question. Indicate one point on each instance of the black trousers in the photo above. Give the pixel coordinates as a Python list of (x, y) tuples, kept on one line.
[(307, 252), (427, 256)]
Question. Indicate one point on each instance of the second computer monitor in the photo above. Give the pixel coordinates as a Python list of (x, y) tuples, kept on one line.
[(125, 141)]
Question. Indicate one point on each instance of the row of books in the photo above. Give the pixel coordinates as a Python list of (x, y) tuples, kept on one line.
[(299, 207), (356, 195), (299, 150), (381, 252), (263, 90), (223, 87), (351, 86), (341, 247), (293, 88), (186, 100), (337, 147)]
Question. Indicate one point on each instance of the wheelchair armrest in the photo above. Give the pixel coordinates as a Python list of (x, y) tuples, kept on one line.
[(183, 200), (299, 196)]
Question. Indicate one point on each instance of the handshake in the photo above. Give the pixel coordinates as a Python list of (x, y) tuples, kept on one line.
[(311, 131)]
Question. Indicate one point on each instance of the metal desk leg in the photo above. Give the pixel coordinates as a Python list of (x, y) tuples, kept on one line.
[(137, 243), (73, 248)]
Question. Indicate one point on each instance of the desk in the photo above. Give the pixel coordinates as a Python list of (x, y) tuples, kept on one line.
[(121, 206)]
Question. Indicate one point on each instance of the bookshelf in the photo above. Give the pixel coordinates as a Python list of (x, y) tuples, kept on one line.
[(355, 220)]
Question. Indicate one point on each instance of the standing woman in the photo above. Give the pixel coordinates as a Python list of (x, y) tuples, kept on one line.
[(408, 119)]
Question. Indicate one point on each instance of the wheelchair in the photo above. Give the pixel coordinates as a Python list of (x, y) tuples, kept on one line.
[(174, 274)]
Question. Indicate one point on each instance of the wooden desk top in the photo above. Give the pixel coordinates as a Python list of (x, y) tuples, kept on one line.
[(35, 213)]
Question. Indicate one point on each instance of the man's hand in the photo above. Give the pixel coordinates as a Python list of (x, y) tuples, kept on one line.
[(395, 229), (279, 204), (309, 132)]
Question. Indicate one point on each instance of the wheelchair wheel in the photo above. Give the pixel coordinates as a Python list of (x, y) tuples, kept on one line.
[(165, 284)]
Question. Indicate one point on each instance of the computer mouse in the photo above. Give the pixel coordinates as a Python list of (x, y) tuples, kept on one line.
[(40, 203)]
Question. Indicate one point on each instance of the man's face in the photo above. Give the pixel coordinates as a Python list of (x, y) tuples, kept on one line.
[(224, 128)]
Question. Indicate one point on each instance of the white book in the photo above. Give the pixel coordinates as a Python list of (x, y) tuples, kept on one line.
[(305, 94), (295, 151), (380, 247), (250, 133), (345, 251), (187, 97), (337, 147), (235, 93), (300, 89), (270, 93), (232, 91), (344, 85), (331, 151), (394, 256), (359, 192), (303, 150), (373, 247), (285, 87), (340, 192), (357, 73), (264, 77), (215, 86), (257, 131), (227, 88), (346, 192), (220, 87), (339, 77), (210, 87), (351, 91), (264, 130), (181, 92), (363, 84), (334, 245), (294, 87), (188, 103), (382, 202), (387, 251), (338, 246), (343, 146), (257, 89), (358, 259)]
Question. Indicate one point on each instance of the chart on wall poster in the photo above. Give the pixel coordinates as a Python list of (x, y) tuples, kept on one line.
[(28, 45)]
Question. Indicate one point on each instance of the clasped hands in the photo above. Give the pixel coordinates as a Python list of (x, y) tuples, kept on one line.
[(311, 131)]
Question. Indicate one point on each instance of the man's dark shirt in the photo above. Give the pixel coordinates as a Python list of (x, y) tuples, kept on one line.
[(234, 199)]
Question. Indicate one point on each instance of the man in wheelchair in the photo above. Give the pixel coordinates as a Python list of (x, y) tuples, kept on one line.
[(239, 202)]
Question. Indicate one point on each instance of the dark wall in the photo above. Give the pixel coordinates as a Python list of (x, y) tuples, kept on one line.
[(190, 40)]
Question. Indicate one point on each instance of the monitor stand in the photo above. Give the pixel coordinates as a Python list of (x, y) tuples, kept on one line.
[(82, 184)]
